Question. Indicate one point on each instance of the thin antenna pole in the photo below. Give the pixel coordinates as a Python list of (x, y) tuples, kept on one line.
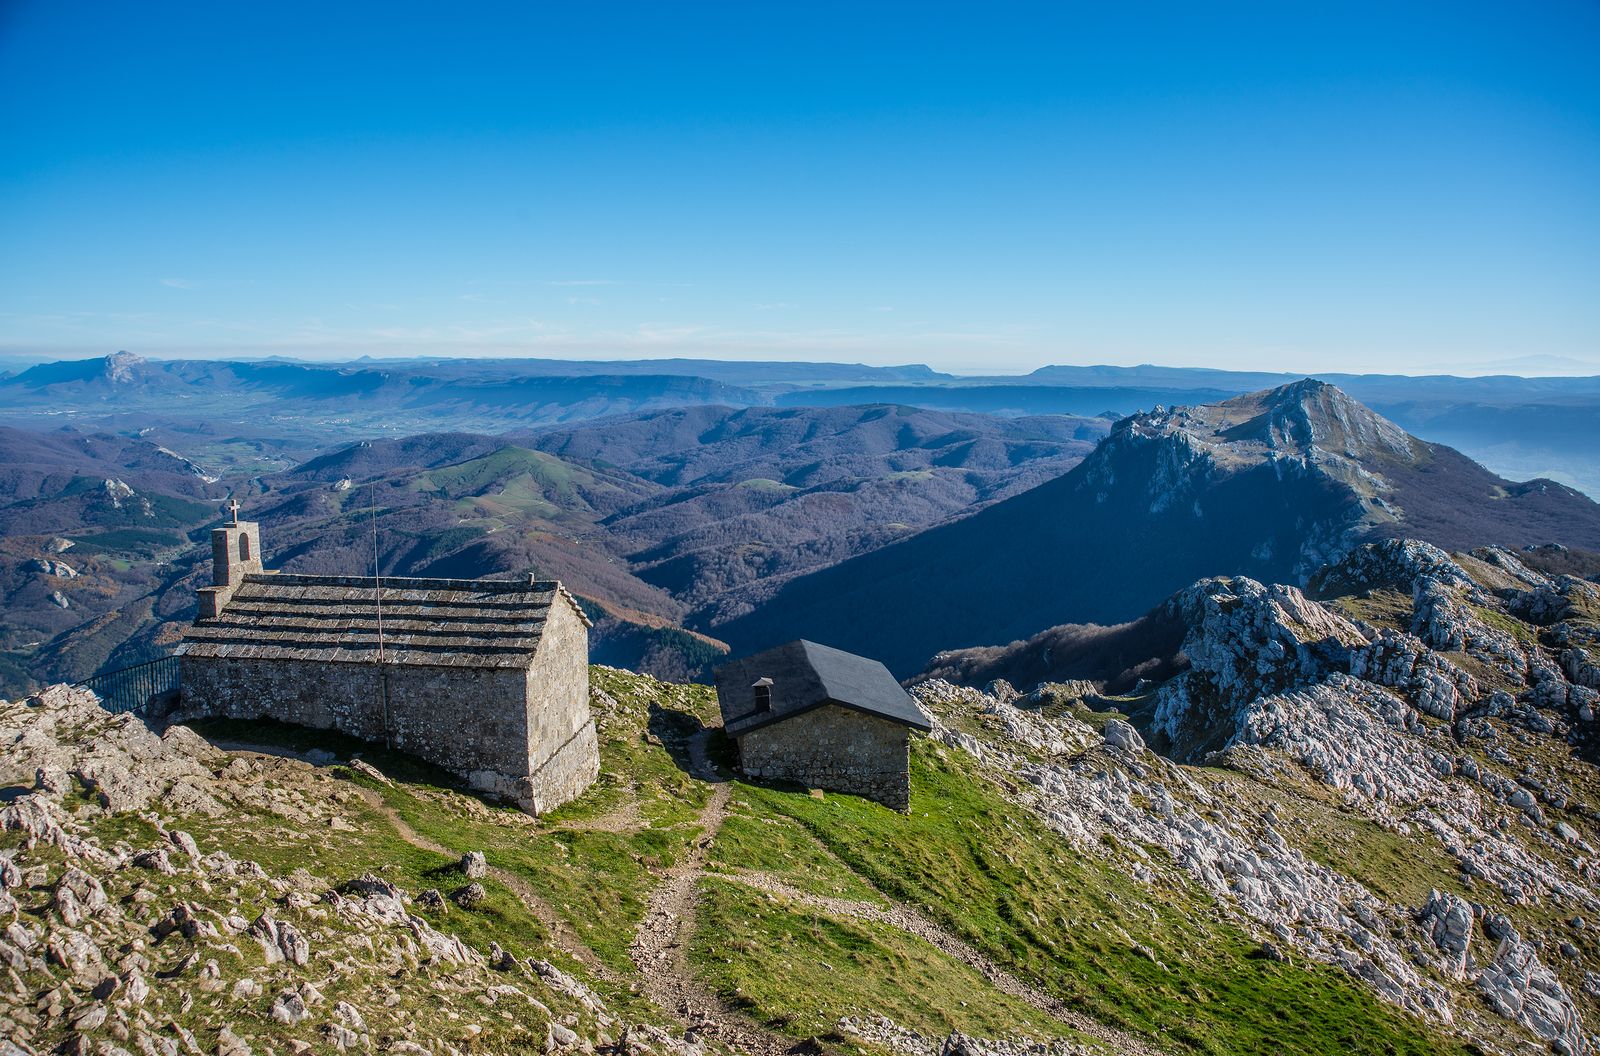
[(377, 582), (377, 606)]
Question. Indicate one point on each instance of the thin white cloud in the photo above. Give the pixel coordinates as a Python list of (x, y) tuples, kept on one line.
[(180, 284)]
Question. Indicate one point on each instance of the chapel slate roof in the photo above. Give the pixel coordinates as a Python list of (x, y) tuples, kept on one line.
[(433, 622), (805, 676)]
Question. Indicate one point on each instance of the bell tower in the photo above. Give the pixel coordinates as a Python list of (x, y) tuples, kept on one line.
[(235, 553)]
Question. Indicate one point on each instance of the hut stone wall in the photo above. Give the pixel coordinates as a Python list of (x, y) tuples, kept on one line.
[(562, 750), (471, 721), (837, 749)]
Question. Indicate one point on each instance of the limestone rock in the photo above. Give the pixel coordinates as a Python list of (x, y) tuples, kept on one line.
[(184, 919), (288, 1008), (1447, 920), (1402, 661), (1121, 735), (51, 567), (120, 760), (367, 770), (1002, 691), (280, 941), (473, 865), (1520, 987), (230, 1044)]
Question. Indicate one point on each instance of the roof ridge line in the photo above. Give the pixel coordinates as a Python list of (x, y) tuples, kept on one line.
[(509, 586)]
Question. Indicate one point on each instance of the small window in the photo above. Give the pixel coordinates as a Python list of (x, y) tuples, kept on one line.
[(763, 691), (244, 546)]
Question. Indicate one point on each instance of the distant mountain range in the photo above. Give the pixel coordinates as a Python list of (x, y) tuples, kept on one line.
[(94, 530), (657, 519), (120, 383), (1268, 485), (686, 515), (686, 523), (1520, 427)]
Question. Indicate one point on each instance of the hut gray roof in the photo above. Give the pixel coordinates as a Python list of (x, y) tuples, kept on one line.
[(805, 676), (434, 622)]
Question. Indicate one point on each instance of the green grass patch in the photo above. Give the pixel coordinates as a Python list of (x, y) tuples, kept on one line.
[(783, 847), (1518, 630), (1382, 608), (598, 881), (1157, 961), (800, 971)]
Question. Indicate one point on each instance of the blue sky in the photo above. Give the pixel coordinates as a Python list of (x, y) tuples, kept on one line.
[(984, 186)]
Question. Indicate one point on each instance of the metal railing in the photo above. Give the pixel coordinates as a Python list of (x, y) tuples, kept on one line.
[(131, 688)]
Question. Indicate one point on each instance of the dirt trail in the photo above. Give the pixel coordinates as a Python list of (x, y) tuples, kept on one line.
[(914, 923), (660, 946)]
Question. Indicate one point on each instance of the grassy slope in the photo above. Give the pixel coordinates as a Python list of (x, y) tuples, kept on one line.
[(801, 970), (1156, 961)]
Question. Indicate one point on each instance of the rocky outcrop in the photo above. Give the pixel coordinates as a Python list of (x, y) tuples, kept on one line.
[(1519, 986), (1402, 661), (1581, 667), (121, 933), (119, 760), (1246, 640), (1448, 724), (884, 1033), (1447, 920), (1445, 621), (1119, 734), (1390, 563)]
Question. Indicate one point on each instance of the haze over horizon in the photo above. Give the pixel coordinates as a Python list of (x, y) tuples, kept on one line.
[(1524, 366), (1381, 189)]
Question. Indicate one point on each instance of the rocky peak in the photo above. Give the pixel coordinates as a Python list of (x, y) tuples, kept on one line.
[(122, 367), (1308, 435), (1390, 563), (1303, 419), (1311, 414)]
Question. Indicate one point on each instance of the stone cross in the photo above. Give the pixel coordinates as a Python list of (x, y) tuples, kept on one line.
[(233, 508)]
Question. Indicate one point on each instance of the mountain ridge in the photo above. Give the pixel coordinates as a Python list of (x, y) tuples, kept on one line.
[(1270, 485)]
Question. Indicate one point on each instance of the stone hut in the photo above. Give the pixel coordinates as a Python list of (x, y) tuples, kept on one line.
[(486, 678), (823, 717)]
